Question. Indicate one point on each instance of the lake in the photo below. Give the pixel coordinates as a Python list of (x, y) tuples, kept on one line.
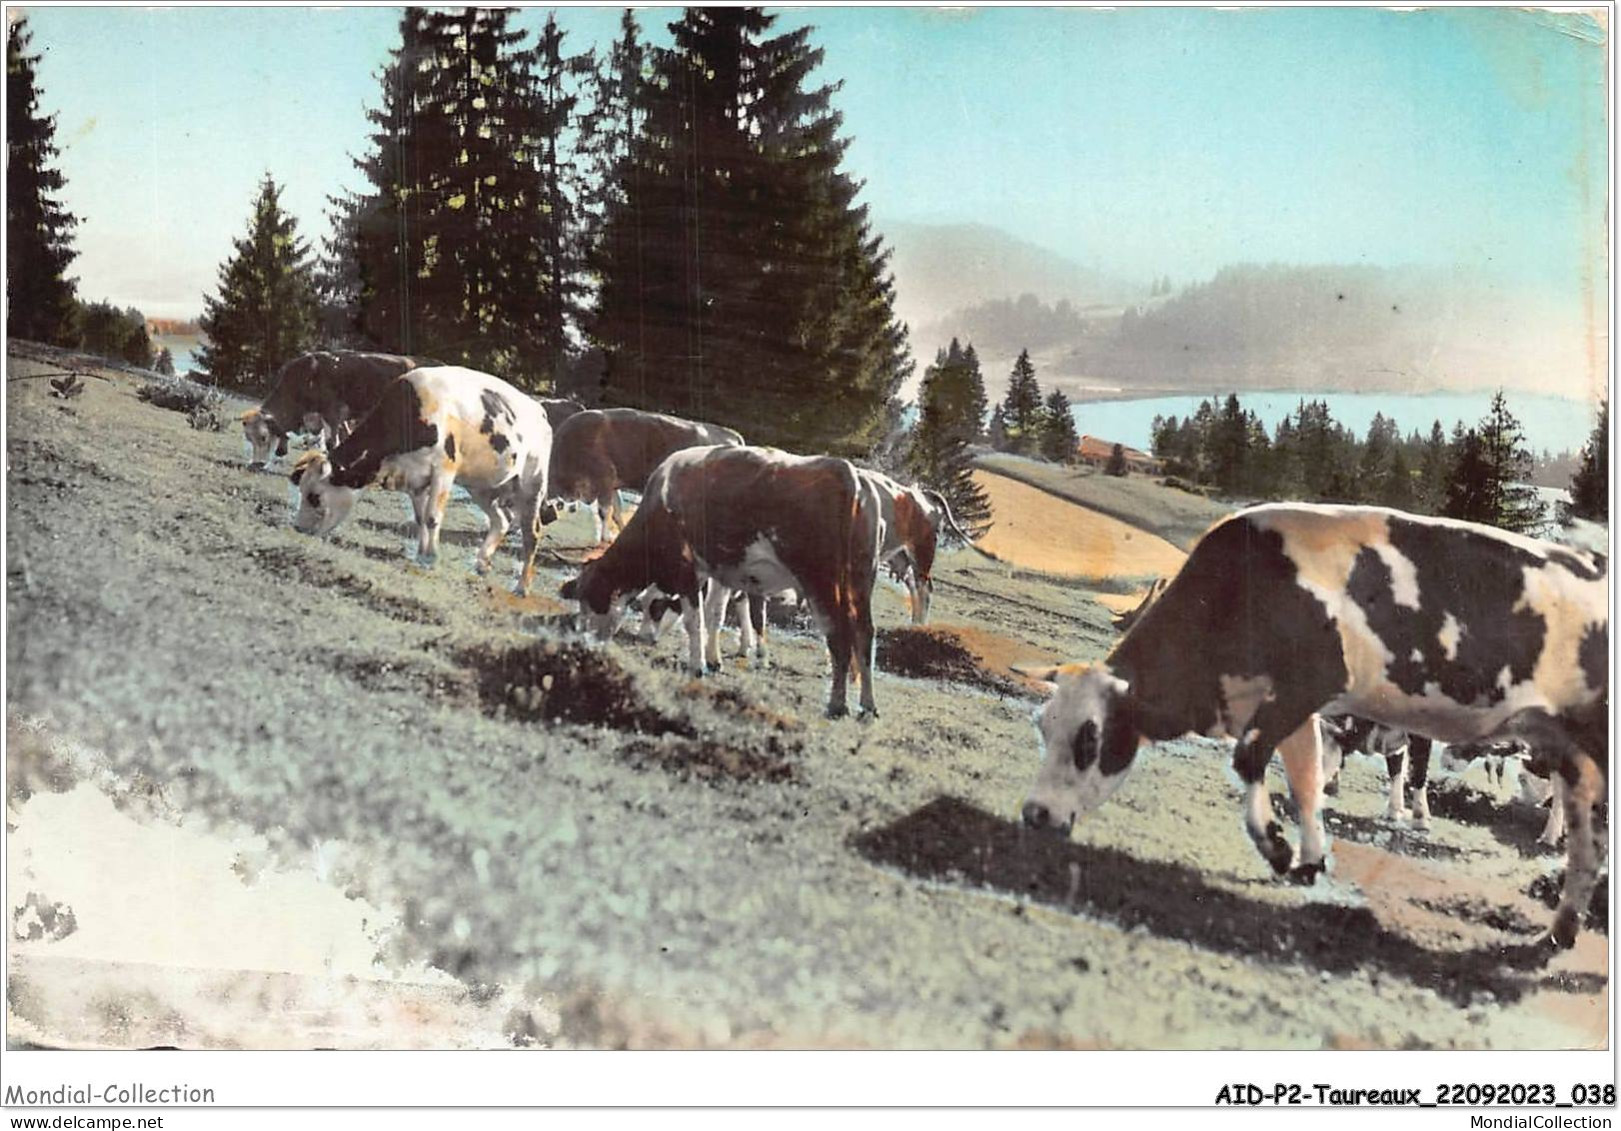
[(184, 348), (1551, 423)]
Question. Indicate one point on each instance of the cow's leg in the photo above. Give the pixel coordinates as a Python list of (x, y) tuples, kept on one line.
[(1303, 766), (745, 624), (861, 615), (828, 602), (426, 524), (1554, 830), (1271, 724), (1583, 787), (692, 619), (500, 519), (715, 601), (1418, 771), (1396, 804), (528, 519), (756, 619)]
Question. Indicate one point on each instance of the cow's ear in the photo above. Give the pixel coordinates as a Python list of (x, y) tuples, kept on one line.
[(281, 445), (570, 590)]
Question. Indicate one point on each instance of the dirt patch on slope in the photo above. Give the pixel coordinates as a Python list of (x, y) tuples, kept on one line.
[(567, 682), (1038, 531), (958, 654)]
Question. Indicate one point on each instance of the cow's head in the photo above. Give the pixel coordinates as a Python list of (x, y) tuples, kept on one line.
[(322, 503), (1089, 731), (601, 606), (262, 433)]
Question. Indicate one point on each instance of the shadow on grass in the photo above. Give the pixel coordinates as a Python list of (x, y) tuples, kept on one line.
[(950, 841)]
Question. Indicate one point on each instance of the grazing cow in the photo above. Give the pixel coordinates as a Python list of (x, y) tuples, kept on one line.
[(432, 429), (321, 392), (598, 451), (910, 518), (1407, 761), (1458, 631), (757, 520)]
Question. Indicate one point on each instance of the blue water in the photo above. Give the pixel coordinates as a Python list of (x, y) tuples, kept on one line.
[(1551, 423)]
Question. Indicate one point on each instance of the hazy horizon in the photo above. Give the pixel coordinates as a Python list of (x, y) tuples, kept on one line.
[(1135, 142)]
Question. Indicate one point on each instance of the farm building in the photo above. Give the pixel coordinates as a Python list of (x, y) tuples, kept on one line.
[(1095, 453)]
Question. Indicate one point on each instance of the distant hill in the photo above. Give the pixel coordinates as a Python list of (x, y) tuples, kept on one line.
[(1250, 327), (942, 269)]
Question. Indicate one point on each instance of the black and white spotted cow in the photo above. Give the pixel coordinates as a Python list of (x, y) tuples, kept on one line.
[(433, 429), (1453, 630), (1407, 762), (322, 392)]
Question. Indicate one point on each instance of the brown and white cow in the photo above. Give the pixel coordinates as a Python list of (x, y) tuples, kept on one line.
[(1453, 630), (321, 392), (559, 409), (757, 520), (597, 452), (910, 520), (433, 429)]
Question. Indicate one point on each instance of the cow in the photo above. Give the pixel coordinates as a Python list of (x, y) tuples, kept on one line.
[(598, 451), (911, 519), (435, 428), (320, 392), (1454, 630), (1407, 761), (757, 520)]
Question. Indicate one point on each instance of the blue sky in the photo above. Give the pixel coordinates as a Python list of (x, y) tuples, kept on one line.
[(1142, 141)]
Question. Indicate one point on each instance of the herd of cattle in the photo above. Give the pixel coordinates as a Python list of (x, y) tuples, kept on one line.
[(1292, 628)]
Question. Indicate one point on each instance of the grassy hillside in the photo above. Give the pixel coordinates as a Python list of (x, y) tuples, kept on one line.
[(248, 765)]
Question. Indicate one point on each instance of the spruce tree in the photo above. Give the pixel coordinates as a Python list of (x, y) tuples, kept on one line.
[(1590, 486), (562, 228), (264, 313), (739, 279), (951, 403), (1434, 471), (609, 127), (1059, 437), (39, 295), (1490, 469), (1021, 409), (448, 251), (1117, 461)]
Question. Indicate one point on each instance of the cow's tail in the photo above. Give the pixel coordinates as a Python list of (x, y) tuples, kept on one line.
[(945, 509)]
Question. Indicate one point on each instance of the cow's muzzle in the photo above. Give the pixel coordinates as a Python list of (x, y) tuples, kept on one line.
[(1037, 816)]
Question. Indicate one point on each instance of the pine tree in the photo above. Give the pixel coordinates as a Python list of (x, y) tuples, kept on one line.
[(609, 128), (1021, 409), (562, 227), (950, 405), (996, 435), (165, 362), (1488, 481), (1434, 471), (452, 250), (264, 313), (1590, 486), (1059, 437), (39, 296), (739, 279), (1228, 447)]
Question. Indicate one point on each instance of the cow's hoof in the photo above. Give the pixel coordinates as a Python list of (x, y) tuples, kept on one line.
[(1306, 874), (1277, 851), (867, 714), (1421, 824), (711, 667), (839, 711), (1564, 930)]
